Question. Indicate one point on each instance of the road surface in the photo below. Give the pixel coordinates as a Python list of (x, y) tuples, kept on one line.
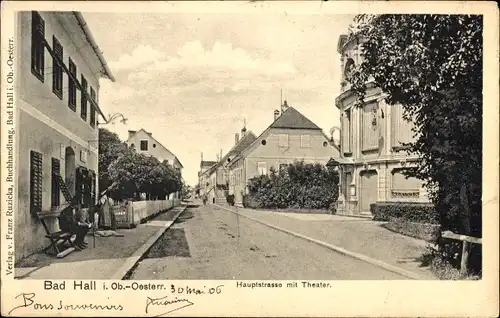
[(211, 243)]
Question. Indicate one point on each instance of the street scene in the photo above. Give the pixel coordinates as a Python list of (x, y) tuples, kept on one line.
[(286, 147)]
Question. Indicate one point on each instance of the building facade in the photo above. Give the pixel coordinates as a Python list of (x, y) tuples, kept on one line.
[(291, 137), (144, 142), (218, 174), (372, 157), (204, 177), (58, 72)]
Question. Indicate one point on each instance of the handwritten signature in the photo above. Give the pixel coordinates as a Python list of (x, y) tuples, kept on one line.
[(173, 304), (28, 300)]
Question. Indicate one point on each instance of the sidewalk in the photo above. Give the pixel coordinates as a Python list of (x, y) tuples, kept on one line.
[(357, 235), (111, 258)]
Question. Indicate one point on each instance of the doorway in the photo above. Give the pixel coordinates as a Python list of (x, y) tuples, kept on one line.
[(70, 170), (369, 190)]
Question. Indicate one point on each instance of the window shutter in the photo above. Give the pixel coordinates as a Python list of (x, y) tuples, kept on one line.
[(35, 181), (55, 191)]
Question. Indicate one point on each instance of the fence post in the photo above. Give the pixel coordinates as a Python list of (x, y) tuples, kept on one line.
[(465, 259)]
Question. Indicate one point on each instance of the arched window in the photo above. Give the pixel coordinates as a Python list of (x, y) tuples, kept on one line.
[(349, 67)]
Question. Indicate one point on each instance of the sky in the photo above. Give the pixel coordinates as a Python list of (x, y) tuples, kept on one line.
[(191, 79)]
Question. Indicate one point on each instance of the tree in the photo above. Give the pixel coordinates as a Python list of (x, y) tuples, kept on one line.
[(432, 66), (110, 148)]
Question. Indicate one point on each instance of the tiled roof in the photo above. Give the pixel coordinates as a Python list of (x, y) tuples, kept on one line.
[(293, 119)]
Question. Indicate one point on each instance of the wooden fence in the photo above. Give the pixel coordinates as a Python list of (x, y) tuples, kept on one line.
[(466, 241)]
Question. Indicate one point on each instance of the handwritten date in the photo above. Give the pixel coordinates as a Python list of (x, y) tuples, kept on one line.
[(196, 291)]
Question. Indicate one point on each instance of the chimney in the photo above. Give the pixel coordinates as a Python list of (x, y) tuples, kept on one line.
[(236, 138), (276, 114), (243, 131), (131, 133), (221, 153)]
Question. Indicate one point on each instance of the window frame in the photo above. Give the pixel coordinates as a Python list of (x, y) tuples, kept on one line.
[(83, 99), (146, 143), (57, 69), (71, 84), (36, 181), (92, 108), (264, 168), (302, 145), (281, 138), (37, 46), (55, 191)]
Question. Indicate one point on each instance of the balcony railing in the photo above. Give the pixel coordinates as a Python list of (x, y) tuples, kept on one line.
[(406, 194)]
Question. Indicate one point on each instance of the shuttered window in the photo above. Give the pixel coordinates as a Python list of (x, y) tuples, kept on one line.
[(35, 181), (83, 111), (72, 85), (57, 69), (37, 45), (92, 108), (56, 190)]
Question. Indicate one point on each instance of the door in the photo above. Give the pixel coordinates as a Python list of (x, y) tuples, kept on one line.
[(369, 190)]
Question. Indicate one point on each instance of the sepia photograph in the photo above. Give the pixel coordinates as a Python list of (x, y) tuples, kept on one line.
[(263, 149)]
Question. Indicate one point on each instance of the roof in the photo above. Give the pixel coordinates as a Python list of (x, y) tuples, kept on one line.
[(133, 132), (293, 119), (244, 142), (207, 163)]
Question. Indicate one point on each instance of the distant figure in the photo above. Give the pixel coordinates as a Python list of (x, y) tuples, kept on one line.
[(205, 199)]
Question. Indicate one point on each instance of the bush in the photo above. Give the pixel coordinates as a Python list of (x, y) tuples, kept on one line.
[(300, 186), (408, 211), (249, 202)]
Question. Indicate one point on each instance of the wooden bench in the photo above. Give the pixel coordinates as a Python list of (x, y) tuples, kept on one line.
[(57, 238)]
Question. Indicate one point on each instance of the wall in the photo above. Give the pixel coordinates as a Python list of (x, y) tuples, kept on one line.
[(159, 152), (273, 155), (46, 123), (140, 210)]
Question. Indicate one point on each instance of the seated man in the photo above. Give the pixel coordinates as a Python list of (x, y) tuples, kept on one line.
[(70, 220)]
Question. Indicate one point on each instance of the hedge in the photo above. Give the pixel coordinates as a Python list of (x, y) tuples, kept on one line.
[(298, 186), (408, 211)]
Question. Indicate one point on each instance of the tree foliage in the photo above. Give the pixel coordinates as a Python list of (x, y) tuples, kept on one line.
[(128, 173), (432, 66), (110, 148), (300, 186)]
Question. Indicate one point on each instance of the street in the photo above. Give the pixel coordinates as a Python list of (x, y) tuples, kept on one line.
[(211, 243)]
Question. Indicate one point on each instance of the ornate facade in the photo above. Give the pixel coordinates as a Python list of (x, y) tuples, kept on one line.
[(371, 160)]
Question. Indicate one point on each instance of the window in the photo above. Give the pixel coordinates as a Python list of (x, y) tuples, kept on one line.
[(263, 142), (72, 85), (92, 108), (144, 145), (83, 112), (35, 181), (37, 45), (57, 69), (262, 168), (283, 140), (55, 190), (346, 132), (154, 145), (401, 129), (305, 141), (403, 187), (370, 132)]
